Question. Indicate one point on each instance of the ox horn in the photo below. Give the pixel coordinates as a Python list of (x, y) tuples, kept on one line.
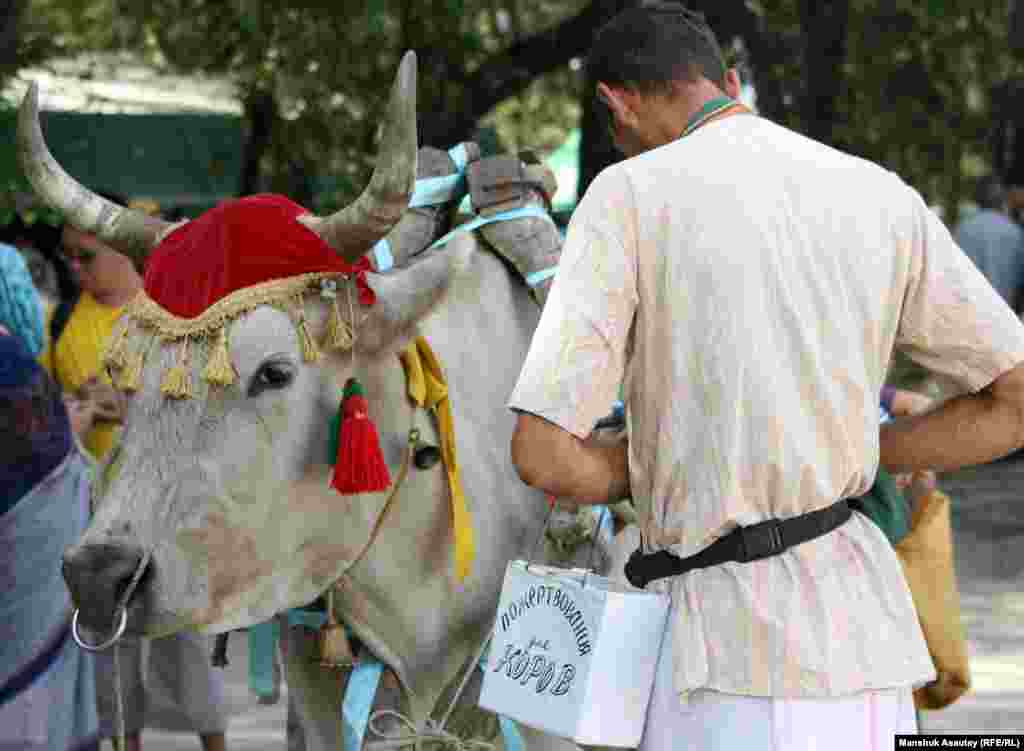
[(353, 230), (133, 232)]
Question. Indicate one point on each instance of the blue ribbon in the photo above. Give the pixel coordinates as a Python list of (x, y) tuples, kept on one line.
[(313, 619), (539, 276), (480, 221), (605, 525), (460, 156), (358, 700), (429, 191), (263, 638), (510, 734), (382, 253)]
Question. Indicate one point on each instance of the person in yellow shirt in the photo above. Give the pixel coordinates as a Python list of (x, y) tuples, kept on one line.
[(108, 281)]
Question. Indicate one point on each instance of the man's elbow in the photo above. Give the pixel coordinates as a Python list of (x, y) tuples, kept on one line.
[(1008, 393), (540, 452), (523, 458)]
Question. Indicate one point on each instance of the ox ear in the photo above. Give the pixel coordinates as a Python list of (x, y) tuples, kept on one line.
[(406, 296)]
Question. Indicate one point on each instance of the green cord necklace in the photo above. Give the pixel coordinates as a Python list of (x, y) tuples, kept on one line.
[(709, 110)]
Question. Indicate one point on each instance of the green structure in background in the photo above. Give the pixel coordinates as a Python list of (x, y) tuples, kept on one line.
[(183, 161), (187, 161), (565, 163)]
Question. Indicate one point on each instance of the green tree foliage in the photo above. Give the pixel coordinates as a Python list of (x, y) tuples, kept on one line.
[(313, 74), (910, 88), (906, 83), (25, 38)]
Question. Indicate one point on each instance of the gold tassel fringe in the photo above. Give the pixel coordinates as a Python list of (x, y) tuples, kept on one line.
[(339, 332), (310, 352), (177, 383), (220, 371), (131, 375)]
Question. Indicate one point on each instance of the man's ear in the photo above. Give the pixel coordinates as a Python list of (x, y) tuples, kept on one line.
[(617, 101), (733, 84)]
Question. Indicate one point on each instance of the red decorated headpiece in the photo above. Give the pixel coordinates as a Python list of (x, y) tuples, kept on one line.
[(238, 244), (206, 272)]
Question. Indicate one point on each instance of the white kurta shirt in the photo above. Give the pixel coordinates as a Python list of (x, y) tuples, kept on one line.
[(748, 286)]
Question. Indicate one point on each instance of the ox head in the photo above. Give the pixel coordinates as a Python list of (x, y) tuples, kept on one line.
[(225, 482)]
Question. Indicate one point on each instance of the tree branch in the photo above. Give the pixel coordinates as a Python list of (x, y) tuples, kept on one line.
[(824, 31), (510, 71), (10, 17)]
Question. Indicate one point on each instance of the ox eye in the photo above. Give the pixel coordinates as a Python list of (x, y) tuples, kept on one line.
[(272, 376)]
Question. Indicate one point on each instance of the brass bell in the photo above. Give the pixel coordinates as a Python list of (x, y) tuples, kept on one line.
[(426, 456), (332, 640), (335, 651)]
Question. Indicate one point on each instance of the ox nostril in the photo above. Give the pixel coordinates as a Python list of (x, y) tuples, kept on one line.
[(96, 575)]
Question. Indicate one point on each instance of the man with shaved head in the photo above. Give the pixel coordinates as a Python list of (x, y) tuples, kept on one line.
[(749, 286)]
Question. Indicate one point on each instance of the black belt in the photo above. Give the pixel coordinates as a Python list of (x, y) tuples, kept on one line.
[(743, 544)]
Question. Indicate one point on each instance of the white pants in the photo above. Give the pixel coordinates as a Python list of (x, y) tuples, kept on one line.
[(713, 721), (167, 683)]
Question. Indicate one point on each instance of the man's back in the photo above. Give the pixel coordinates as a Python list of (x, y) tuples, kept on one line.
[(749, 285), (996, 245), (784, 291)]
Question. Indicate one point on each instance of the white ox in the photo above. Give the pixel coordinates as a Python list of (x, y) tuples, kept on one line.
[(228, 491)]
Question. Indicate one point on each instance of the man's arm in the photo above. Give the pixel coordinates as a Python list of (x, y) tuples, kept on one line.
[(581, 472), (971, 429)]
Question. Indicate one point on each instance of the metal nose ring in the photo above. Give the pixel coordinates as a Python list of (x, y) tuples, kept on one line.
[(118, 633)]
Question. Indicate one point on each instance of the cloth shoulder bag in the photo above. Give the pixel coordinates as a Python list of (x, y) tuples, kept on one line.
[(926, 554)]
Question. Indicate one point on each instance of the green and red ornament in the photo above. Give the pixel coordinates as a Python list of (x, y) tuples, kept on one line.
[(355, 452)]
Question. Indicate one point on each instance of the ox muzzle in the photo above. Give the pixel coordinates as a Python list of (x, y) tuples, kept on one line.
[(98, 576)]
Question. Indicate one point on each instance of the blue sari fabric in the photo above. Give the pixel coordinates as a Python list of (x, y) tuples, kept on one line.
[(47, 684)]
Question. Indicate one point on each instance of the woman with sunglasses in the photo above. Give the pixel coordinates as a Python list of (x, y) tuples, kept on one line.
[(108, 280)]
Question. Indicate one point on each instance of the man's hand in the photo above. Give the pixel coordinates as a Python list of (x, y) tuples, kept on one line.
[(904, 404)]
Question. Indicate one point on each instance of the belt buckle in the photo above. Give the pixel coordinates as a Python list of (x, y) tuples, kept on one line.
[(761, 540)]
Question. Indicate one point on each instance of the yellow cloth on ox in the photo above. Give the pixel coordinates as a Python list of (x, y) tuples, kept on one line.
[(428, 388)]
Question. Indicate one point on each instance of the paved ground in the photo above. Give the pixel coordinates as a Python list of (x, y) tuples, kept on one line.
[(989, 530)]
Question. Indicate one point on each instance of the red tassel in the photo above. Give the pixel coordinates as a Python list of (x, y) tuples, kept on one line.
[(359, 464)]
